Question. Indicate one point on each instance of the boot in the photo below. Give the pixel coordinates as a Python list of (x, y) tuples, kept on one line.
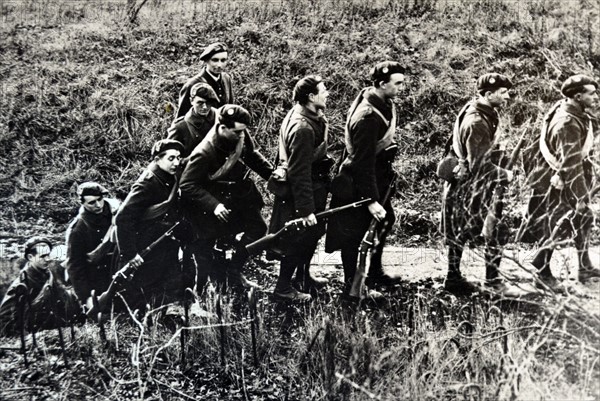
[(378, 276), (541, 261), (493, 256), (455, 283), (283, 287), (587, 271)]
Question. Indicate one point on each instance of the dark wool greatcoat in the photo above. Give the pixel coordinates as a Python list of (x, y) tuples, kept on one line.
[(565, 138), (465, 203), (371, 174), (160, 277), (201, 195), (63, 303), (84, 234), (222, 87), (191, 129), (309, 185)]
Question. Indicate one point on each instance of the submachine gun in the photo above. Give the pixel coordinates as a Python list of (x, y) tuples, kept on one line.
[(270, 241)]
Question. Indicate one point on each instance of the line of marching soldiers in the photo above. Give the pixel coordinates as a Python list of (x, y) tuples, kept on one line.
[(195, 212)]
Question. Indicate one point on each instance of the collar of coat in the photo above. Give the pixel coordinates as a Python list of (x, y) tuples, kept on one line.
[(208, 75), (162, 176), (317, 118), (97, 220), (195, 121), (385, 107), (486, 110), (575, 110)]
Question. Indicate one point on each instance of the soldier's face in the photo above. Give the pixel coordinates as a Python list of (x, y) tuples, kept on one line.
[(499, 97), (93, 204), (41, 257), (200, 106), (232, 134), (169, 161), (588, 98), (217, 63), (320, 99), (394, 86)]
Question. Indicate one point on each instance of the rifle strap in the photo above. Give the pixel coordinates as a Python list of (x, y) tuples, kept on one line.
[(160, 209)]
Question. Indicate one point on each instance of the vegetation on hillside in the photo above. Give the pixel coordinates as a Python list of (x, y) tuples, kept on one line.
[(86, 88)]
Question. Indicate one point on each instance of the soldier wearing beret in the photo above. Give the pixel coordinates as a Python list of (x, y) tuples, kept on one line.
[(192, 128), (150, 209), (218, 195), (302, 160), (468, 198), (213, 73), (561, 180), (88, 230), (366, 172), (42, 282)]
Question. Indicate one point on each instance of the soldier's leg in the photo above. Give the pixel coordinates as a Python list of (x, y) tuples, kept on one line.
[(349, 260), (493, 257), (582, 225), (254, 227), (283, 287), (304, 280), (455, 282), (205, 265)]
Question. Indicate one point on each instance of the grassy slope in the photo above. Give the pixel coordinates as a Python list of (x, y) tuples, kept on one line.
[(84, 95)]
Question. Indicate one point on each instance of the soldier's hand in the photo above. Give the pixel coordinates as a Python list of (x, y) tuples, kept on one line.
[(137, 261), (377, 211), (309, 220), (222, 213)]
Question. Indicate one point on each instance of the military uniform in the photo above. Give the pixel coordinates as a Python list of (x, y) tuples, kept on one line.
[(213, 176), (150, 209), (84, 234), (304, 142), (221, 86), (191, 129), (466, 202), (367, 172), (568, 140)]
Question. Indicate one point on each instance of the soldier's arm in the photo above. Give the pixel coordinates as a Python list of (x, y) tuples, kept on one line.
[(302, 143), (193, 183), (571, 162), (364, 141), (254, 159), (129, 215), (76, 263)]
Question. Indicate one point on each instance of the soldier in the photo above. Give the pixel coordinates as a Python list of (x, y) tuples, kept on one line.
[(220, 198), (305, 165), (213, 73), (468, 198), (561, 179), (150, 209), (366, 172), (192, 128), (43, 282), (85, 234)]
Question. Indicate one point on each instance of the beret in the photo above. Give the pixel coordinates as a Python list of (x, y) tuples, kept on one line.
[(33, 241), (212, 49), (205, 91), (165, 144), (575, 84), (91, 188), (306, 86), (383, 70), (493, 81), (233, 113)]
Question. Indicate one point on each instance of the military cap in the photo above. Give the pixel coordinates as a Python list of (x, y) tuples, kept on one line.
[(493, 81), (33, 241), (165, 144), (230, 114), (212, 49), (205, 91), (383, 70), (305, 87), (574, 84), (91, 188)]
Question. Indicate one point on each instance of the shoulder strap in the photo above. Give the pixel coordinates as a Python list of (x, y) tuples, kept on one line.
[(454, 140), (160, 209)]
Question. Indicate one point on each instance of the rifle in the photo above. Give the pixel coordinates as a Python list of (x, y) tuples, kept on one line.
[(495, 212), (366, 247), (269, 240), (101, 303)]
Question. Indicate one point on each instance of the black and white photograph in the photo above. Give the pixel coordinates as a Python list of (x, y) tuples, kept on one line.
[(289, 200)]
